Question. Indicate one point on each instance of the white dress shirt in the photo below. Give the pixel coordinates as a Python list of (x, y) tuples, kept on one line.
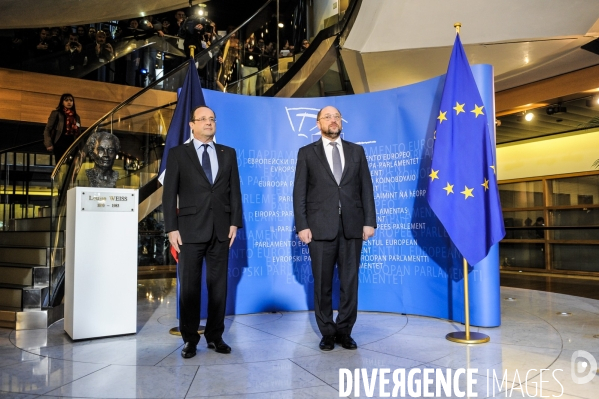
[(328, 151), (197, 144)]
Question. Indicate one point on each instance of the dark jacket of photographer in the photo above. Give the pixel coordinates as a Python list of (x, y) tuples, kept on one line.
[(104, 56)]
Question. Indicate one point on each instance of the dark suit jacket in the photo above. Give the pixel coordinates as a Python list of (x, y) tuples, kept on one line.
[(316, 195), (200, 204)]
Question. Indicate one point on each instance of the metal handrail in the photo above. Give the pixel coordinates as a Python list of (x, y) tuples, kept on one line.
[(20, 145)]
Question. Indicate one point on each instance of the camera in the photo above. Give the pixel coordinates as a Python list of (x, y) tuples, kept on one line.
[(206, 28), (73, 44)]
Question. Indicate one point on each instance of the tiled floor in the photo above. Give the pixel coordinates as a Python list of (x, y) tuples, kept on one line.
[(275, 355)]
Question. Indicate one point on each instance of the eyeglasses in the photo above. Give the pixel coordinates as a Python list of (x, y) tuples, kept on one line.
[(328, 117), (204, 119)]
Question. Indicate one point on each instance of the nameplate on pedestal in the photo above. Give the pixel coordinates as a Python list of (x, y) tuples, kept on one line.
[(98, 201)]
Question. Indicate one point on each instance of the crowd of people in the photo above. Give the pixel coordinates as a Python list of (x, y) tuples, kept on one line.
[(103, 51)]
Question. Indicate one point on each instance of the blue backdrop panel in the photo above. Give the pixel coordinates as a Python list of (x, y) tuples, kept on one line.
[(411, 265)]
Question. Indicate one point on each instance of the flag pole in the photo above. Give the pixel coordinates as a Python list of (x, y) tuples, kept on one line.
[(466, 337)]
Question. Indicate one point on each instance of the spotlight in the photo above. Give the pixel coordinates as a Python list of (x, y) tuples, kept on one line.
[(200, 12), (592, 101), (556, 109), (529, 116), (280, 25)]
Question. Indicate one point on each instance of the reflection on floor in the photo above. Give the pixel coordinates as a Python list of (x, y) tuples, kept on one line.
[(275, 355)]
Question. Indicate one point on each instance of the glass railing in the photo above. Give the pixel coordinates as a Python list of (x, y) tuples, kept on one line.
[(140, 123), (24, 182), (81, 61)]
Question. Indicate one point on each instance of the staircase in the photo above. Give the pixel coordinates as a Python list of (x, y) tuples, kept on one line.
[(26, 271)]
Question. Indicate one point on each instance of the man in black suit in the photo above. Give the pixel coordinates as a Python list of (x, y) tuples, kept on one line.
[(205, 177), (333, 202)]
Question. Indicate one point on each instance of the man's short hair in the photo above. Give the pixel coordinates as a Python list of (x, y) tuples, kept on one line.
[(98, 136), (193, 112), (319, 112)]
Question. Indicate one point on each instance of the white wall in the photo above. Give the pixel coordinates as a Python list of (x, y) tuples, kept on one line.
[(321, 10), (555, 156)]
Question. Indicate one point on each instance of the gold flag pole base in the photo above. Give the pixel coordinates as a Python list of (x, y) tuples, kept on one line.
[(461, 338), (175, 330)]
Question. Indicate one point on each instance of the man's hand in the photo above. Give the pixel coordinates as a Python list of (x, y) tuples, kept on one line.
[(175, 239), (367, 232), (108, 48), (232, 234), (305, 236), (50, 148)]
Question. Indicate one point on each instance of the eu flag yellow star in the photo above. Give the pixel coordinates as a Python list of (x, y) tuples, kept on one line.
[(459, 108), (434, 174), (478, 110), (467, 192), (486, 184), (493, 167), (448, 188), (442, 116)]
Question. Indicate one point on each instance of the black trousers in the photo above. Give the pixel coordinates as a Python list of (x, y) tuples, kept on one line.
[(61, 146), (191, 257), (346, 254)]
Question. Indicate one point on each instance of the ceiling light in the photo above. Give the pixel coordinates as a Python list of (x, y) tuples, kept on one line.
[(200, 12), (280, 25), (529, 116)]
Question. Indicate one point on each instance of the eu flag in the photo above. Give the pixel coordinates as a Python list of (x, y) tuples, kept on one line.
[(462, 186), (179, 131)]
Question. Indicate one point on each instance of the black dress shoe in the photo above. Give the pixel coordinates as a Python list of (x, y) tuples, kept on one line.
[(219, 346), (188, 351), (346, 341), (327, 343)]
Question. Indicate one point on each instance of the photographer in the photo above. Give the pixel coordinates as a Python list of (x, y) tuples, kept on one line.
[(193, 31), (98, 55), (72, 61)]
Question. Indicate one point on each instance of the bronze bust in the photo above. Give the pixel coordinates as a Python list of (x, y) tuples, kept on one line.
[(102, 147)]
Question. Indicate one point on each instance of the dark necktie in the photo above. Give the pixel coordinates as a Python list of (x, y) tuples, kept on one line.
[(337, 171), (206, 163)]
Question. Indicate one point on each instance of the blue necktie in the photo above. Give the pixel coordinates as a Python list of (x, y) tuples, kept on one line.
[(206, 163)]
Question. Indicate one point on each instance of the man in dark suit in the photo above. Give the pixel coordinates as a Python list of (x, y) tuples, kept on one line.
[(333, 202), (205, 177)]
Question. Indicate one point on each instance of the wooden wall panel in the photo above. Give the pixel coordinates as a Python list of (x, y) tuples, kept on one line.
[(547, 91), (30, 97)]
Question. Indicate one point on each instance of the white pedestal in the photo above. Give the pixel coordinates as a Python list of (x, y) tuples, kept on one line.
[(101, 262)]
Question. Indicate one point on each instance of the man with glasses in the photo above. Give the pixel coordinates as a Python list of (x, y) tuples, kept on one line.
[(333, 203), (204, 177)]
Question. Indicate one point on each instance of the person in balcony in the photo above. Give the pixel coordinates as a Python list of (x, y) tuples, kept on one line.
[(98, 55), (63, 127), (72, 60)]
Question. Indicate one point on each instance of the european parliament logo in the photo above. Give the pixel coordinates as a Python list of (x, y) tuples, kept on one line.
[(303, 121)]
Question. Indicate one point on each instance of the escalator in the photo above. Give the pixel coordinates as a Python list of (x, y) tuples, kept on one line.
[(141, 123)]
